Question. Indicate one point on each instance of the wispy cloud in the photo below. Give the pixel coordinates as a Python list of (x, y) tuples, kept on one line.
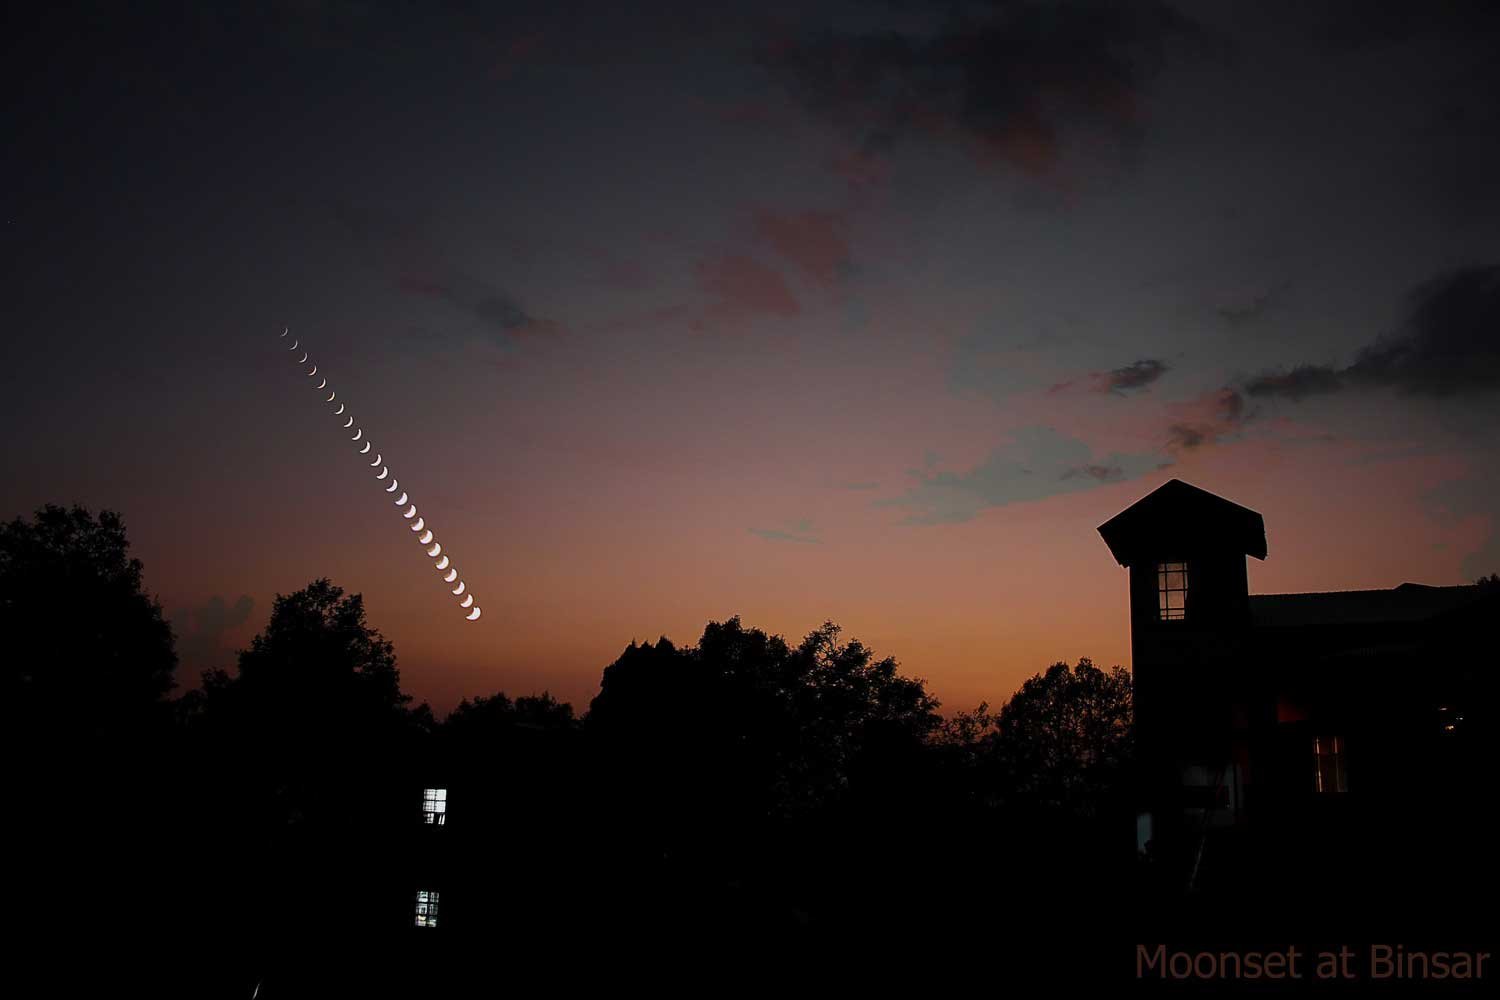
[(1204, 420), (816, 242), (1039, 462), (740, 287)]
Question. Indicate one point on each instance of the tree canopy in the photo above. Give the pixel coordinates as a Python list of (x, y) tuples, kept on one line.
[(1064, 738), (87, 648), (775, 728)]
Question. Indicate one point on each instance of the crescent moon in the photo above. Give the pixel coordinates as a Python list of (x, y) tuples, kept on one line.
[(426, 538), (410, 513), (348, 423), (383, 473), (435, 551), (377, 460), (420, 523), (442, 563), (453, 575), (365, 450), (323, 385), (459, 589), (313, 372), (294, 345), (304, 359), (357, 434), (392, 488), (285, 330), (340, 411), (474, 615), (330, 398), (401, 500), (466, 601)]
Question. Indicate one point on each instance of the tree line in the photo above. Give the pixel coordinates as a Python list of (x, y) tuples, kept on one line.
[(789, 788)]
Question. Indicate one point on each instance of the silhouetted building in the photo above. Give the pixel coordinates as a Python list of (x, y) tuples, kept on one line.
[(1295, 737)]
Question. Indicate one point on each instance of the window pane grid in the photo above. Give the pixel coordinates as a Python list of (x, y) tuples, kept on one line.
[(434, 806), (1171, 590), (427, 907)]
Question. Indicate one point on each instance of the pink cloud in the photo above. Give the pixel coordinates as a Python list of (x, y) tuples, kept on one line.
[(743, 287), (814, 241), (1204, 419)]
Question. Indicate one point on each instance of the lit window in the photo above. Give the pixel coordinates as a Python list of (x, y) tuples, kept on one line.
[(1171, 590), (1328, 755), (434, 806), (427, 907)]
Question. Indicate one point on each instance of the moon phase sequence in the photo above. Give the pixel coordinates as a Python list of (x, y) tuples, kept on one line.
[(422, 532)]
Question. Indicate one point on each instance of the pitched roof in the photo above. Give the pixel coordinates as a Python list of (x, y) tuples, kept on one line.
[(1410, 602), (1183, 519)]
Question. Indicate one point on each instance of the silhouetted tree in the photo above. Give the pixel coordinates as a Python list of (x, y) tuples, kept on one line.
[(487, 714), (87, 650), (752, 724), (1065, 738), (316, 707), (86, 658)]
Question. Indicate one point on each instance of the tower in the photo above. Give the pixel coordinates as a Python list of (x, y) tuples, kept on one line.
[(1185, 549)]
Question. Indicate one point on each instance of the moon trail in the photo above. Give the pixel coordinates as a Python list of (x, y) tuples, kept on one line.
[(419, 526)]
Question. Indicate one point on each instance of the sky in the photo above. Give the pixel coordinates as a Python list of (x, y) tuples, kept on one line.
[(664, 313)]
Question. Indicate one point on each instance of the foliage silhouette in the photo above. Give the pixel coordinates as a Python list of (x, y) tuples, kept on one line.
[(739, 790), (87, 650), (87, 660), (1064, 739)]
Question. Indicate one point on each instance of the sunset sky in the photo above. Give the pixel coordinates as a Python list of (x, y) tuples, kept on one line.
[(869, 312)]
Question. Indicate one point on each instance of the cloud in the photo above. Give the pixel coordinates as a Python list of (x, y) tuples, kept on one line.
[(1448, 344), (501, 311), (742, 287), (1120, 381), (1005, 83), (1101, 473), (399, 248), (202, 641), (1038, 463), (816, 242), (1295, 383), (1204, 420), (1249, 313), (498, 312), (1136, 375)]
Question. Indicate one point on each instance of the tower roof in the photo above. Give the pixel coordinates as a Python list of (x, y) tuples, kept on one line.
[(1179, 519)]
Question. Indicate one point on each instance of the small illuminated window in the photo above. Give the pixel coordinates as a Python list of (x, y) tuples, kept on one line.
[(1328, 774), (434, 806), (427, 907), (1171, 590)]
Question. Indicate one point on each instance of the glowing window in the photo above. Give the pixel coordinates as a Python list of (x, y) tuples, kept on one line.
[(434, 806), (427, 907), (1328, 774), (1171, 590)]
